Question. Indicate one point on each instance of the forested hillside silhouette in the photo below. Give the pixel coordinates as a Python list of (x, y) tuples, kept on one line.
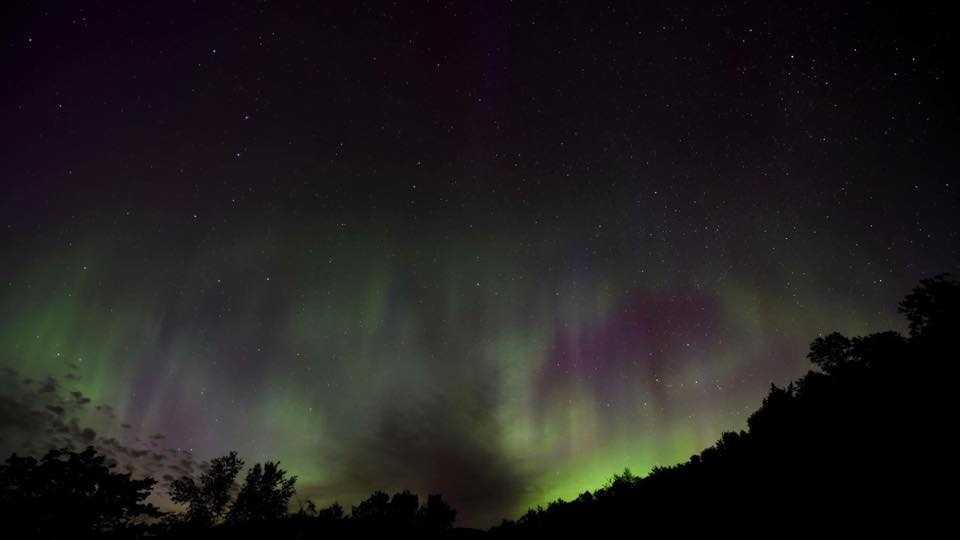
[(856, 442)]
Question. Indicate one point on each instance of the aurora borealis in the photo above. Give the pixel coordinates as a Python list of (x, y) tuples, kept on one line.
[(498, 252)]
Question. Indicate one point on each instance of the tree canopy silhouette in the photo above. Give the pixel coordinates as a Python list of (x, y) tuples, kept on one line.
[(207, 496), (265, 494), (71, 493), (931, 308), (402, 511), (436, 515)]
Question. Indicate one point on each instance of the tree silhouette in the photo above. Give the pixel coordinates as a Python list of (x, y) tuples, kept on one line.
[(402, 511), (374, 508), (307, 509), (830, 352), (334, 512), (436, 515), (265, 494), (931, 308), (67, 492), (207, 496)]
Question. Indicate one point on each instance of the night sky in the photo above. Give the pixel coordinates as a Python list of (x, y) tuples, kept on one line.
[(494, 250)]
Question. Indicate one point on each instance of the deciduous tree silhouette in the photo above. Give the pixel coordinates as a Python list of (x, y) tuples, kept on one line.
[(334, 512), (67, 493), (931, 308), (436, 515), (207, 496), (265, 494), (402, 512), (830, 352), (374, 508)]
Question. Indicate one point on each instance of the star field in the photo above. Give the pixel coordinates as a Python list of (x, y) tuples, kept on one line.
[(499, 251)]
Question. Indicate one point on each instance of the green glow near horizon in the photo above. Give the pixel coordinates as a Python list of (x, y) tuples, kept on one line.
[(319, 359)]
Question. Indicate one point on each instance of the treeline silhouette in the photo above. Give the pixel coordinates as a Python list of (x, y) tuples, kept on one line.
[(67, 494), (855, 442)]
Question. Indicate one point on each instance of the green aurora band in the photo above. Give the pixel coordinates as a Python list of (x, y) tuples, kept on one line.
[(365, 362)]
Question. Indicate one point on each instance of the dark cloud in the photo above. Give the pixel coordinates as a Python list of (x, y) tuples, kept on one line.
[(59, 427), (107, 410), (418, 445), (32, 421), (15, 417), (55, 409), (50, 385), (111, 442)]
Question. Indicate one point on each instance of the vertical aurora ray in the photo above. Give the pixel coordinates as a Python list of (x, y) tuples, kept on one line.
[(380, 364), (339, 361)]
